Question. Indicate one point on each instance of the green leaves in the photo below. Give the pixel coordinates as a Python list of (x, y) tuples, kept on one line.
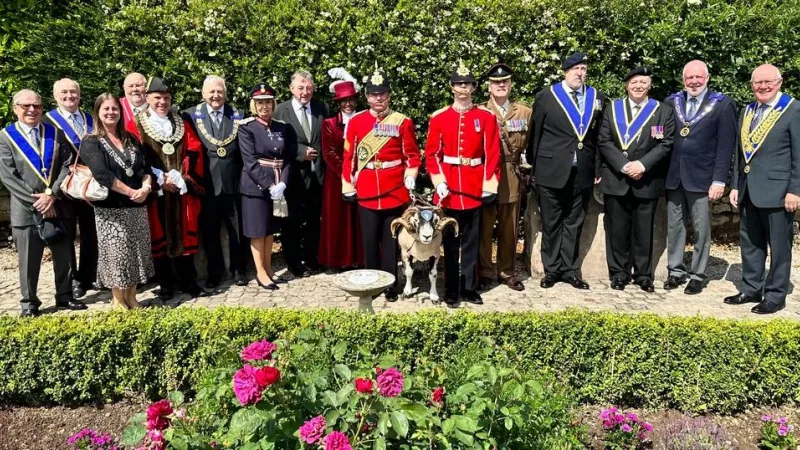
[(399, 423)]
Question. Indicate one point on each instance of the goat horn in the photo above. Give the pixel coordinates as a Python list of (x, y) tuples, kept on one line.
[(397, 223), (448, 221)]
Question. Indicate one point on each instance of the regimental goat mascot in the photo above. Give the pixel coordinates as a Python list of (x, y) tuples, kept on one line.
[(420, 239)]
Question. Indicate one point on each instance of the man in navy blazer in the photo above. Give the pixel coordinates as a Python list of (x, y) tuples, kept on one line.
[(705, 137), (765, 186)]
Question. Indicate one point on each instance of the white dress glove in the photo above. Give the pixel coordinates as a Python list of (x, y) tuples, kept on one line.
[(442, 190), (159, 179), (276, 192), (176, 179), (410, 182), (485, 194)]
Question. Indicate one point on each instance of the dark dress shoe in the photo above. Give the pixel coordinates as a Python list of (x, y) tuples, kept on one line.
[(646, 285), (165, 294), (391, 295), (484, 283), (194, 291), (212, 283), (279, 280), (514, 283), (299, 272), (741, 299), (549, 281), (269, 287), (768, 307), (33, 312), (78, 291), (472, 297), (694, 287), (239, 279), (74, 305), (673, 282), (576, 282), (618, 284), (314, 268), (451, 300)]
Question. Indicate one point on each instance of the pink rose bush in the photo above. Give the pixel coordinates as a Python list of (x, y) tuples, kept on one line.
[(311, 432), (624, 430), (250, 381), (337, 441), (258, 351), (390, 382)]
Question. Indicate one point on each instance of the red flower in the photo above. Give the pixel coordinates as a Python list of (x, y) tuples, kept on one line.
[(364, 385), (437, 397), (157, 415), (378, 370), (267, 376)]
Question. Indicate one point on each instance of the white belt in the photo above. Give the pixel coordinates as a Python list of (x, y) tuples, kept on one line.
[(461, 161), (384, 164)]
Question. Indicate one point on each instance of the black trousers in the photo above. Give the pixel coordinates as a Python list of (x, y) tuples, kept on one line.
[(629, 223), (84, 271), (760, 228), (176, 272), (300, 231), (563, 211), (30, 248), (463, 247), (219, 210), (380, 248)]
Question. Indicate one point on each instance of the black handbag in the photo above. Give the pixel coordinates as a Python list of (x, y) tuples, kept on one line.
[(50, 230)]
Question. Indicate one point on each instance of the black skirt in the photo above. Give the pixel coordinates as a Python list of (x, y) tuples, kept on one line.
[(257, 218)]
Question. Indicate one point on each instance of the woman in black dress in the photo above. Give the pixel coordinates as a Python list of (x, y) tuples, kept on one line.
[(267, 147)]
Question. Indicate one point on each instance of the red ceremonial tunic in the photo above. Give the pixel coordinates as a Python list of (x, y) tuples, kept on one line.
[(174, 218), (127, 115), (340, 239), (379, 188), (467, 136)]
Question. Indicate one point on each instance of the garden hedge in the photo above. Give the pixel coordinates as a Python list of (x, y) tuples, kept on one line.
[(697, 364), (418, 41)]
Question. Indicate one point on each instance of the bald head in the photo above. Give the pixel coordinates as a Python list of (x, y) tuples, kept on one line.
[(695, 77), (766, 83), (135, 87), (67, 94)]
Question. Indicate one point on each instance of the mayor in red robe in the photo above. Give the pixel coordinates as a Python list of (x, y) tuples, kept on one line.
[(175, 153), (340, 240)]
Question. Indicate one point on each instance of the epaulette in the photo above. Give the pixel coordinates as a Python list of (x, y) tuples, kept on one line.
[(279, 121), (522, 103), (247, 120), (439, 111)]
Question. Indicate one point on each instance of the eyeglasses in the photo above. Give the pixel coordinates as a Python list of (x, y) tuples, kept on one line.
[(766, 82), (27, 106)]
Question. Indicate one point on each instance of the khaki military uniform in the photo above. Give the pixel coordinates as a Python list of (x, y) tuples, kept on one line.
[(516, 129)]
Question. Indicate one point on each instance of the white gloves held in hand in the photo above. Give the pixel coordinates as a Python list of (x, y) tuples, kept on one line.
[(410, 182), (276, 192), (442, 190)]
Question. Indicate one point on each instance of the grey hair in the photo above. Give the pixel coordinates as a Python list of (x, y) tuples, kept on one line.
[(303, 75), (705, 66), (215, 79), (66, 79), (22, 92), (778, 71)]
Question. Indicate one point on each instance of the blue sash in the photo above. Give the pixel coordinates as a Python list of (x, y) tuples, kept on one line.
[(752, 140), (628, 131), (41, 159), (677, 98), (580, 122), (66, 127)]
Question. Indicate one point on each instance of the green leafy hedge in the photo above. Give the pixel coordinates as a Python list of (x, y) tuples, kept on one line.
[(418, 41), (696, 364)]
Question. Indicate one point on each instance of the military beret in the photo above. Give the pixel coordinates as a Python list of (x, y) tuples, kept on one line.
[(377, 83), (155, 84), (262, 92), (462, 75), (573, 60), (499, 72), (646, 71)]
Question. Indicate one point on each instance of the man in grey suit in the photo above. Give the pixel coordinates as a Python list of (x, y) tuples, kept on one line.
[(34, 161), (304, 193), (766, 189)]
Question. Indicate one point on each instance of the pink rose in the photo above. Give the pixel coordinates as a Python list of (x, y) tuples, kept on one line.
[(245, 385), (364, 385), (267, 376), (312, 430), (437, 397), (390, 382), (258, 351), (157, 415), (337, 441)]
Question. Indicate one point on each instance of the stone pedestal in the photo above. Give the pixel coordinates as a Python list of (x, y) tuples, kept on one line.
[(593, 240)]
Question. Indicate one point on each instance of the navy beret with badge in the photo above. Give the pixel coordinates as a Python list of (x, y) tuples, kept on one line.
[(646, 71), (573, 60), (462, 74)]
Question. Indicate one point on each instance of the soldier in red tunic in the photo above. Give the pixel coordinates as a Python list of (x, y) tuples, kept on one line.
[(379, 168), (462, 156), (175, 153)]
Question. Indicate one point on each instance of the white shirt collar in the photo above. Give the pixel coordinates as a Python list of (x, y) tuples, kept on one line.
[(66, 114), (296, 105), (346, 117), (25, 128), (641, 104), (699, 97), (211, 110), (569, 89)]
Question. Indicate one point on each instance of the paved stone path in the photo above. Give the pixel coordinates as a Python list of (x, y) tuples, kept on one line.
[(318, 291)]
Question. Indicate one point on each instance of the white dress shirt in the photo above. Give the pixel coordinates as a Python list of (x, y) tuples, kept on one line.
[(26, 130), (298, 111), (161, 124)]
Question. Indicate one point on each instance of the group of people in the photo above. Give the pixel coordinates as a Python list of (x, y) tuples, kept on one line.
[(332, 185)]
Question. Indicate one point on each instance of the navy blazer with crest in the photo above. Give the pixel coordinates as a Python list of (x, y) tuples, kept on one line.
[(704, 156)]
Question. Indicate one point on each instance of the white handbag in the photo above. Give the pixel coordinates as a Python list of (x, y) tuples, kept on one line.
[(81, 185)]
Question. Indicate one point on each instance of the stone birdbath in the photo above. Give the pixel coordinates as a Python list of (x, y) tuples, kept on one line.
[(364, 283)]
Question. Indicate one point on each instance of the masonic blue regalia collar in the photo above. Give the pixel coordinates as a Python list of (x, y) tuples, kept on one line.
[(627, 130), (62, 123), (677, 99), (752, 140), (580, 120), (39, 159)]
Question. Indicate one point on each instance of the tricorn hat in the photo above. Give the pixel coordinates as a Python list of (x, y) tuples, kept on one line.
[(155, 84)]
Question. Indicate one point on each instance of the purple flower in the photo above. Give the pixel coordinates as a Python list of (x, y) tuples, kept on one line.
[(766, 418), (632, 417), (647, 427), (783, 430), (783, 421), (626, 428), (312, 430)]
